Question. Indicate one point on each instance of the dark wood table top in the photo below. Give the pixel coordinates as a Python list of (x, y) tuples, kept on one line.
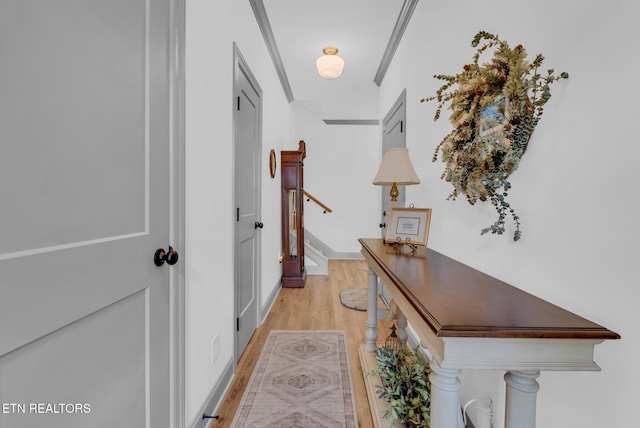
[(458, 301)]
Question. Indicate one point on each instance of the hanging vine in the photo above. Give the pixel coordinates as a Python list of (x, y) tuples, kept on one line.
[(495, 109)]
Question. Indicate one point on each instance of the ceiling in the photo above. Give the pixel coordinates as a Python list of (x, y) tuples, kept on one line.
[(366, 32)]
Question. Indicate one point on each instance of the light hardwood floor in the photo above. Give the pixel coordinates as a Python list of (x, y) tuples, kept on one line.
[(315, 307)]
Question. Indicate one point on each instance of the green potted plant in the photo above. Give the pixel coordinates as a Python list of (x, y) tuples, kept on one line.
[(405, 385)]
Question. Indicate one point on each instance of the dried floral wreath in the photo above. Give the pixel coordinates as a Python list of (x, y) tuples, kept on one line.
[(495, 109)]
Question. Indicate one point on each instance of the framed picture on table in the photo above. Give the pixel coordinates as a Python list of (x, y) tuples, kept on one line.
[(409, 226)]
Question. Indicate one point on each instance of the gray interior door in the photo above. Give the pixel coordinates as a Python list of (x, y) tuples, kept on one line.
[(247, 195), (394, 134), (394, 127), (84, 126)]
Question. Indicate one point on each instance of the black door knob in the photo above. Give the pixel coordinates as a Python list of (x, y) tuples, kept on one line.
[(259, 225), (160, 256), (383, 225)]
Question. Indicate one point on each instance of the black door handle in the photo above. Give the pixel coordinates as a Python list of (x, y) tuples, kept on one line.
[(259, 225), (160, 256), (383, 225)]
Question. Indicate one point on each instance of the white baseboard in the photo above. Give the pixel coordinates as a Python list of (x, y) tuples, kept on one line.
[(264, 310), (214, 400), (347, 256)]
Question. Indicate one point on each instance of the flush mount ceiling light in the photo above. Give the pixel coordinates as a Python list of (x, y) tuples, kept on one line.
[(330, 65)]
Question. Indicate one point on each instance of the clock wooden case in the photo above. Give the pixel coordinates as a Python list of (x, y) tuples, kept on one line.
[(291, 173)]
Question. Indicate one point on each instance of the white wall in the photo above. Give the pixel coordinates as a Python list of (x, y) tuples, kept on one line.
[(575, 188), (338, 170), (212, 27)]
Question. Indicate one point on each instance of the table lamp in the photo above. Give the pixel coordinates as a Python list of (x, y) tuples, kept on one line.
[(396, 170)]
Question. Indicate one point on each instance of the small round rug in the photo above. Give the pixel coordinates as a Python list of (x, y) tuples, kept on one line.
[(354, 298)]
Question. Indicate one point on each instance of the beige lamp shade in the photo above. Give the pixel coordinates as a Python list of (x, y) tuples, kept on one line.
[(330, 65), (396, 170)]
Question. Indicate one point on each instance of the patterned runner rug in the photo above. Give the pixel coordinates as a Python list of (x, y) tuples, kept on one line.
[(302, 380)]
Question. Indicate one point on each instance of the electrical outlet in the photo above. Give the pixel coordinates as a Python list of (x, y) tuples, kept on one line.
[(215, 348)]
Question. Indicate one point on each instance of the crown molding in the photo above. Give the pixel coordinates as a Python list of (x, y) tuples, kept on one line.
[(267, 34), (394, 40)]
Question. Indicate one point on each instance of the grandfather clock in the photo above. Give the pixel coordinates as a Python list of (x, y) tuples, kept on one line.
[(293, 272)]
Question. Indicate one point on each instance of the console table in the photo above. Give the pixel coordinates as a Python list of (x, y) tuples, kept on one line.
[(470, 320)]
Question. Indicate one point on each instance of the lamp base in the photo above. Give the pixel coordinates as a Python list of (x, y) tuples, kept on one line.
[(394, 193)]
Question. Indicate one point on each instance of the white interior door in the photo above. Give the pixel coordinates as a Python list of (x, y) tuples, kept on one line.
[(84, 125), (247, 196)]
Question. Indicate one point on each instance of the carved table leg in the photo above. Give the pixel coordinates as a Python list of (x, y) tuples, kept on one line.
[(521, 398), (445, 397), (371, 334)]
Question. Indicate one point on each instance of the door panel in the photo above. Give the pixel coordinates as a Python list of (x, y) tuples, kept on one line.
[(247, 295), (69, 102), (247, 191), (84, 124), (73, 351)]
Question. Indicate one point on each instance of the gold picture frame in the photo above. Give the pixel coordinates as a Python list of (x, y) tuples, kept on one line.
[(409, 226)]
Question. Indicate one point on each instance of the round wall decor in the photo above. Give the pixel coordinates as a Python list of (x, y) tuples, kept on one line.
[(272, 163)]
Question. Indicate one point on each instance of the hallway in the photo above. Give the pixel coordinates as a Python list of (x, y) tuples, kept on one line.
[(315, 307)]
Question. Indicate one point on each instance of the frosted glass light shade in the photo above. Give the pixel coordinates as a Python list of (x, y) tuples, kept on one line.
[(396, 168), (330, 65)]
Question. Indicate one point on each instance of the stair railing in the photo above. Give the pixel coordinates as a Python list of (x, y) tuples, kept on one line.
[(314, 199)]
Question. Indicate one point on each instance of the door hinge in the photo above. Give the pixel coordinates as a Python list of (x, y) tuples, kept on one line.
[(401, 126), (238, 103), (237, 324), (238, 214)]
